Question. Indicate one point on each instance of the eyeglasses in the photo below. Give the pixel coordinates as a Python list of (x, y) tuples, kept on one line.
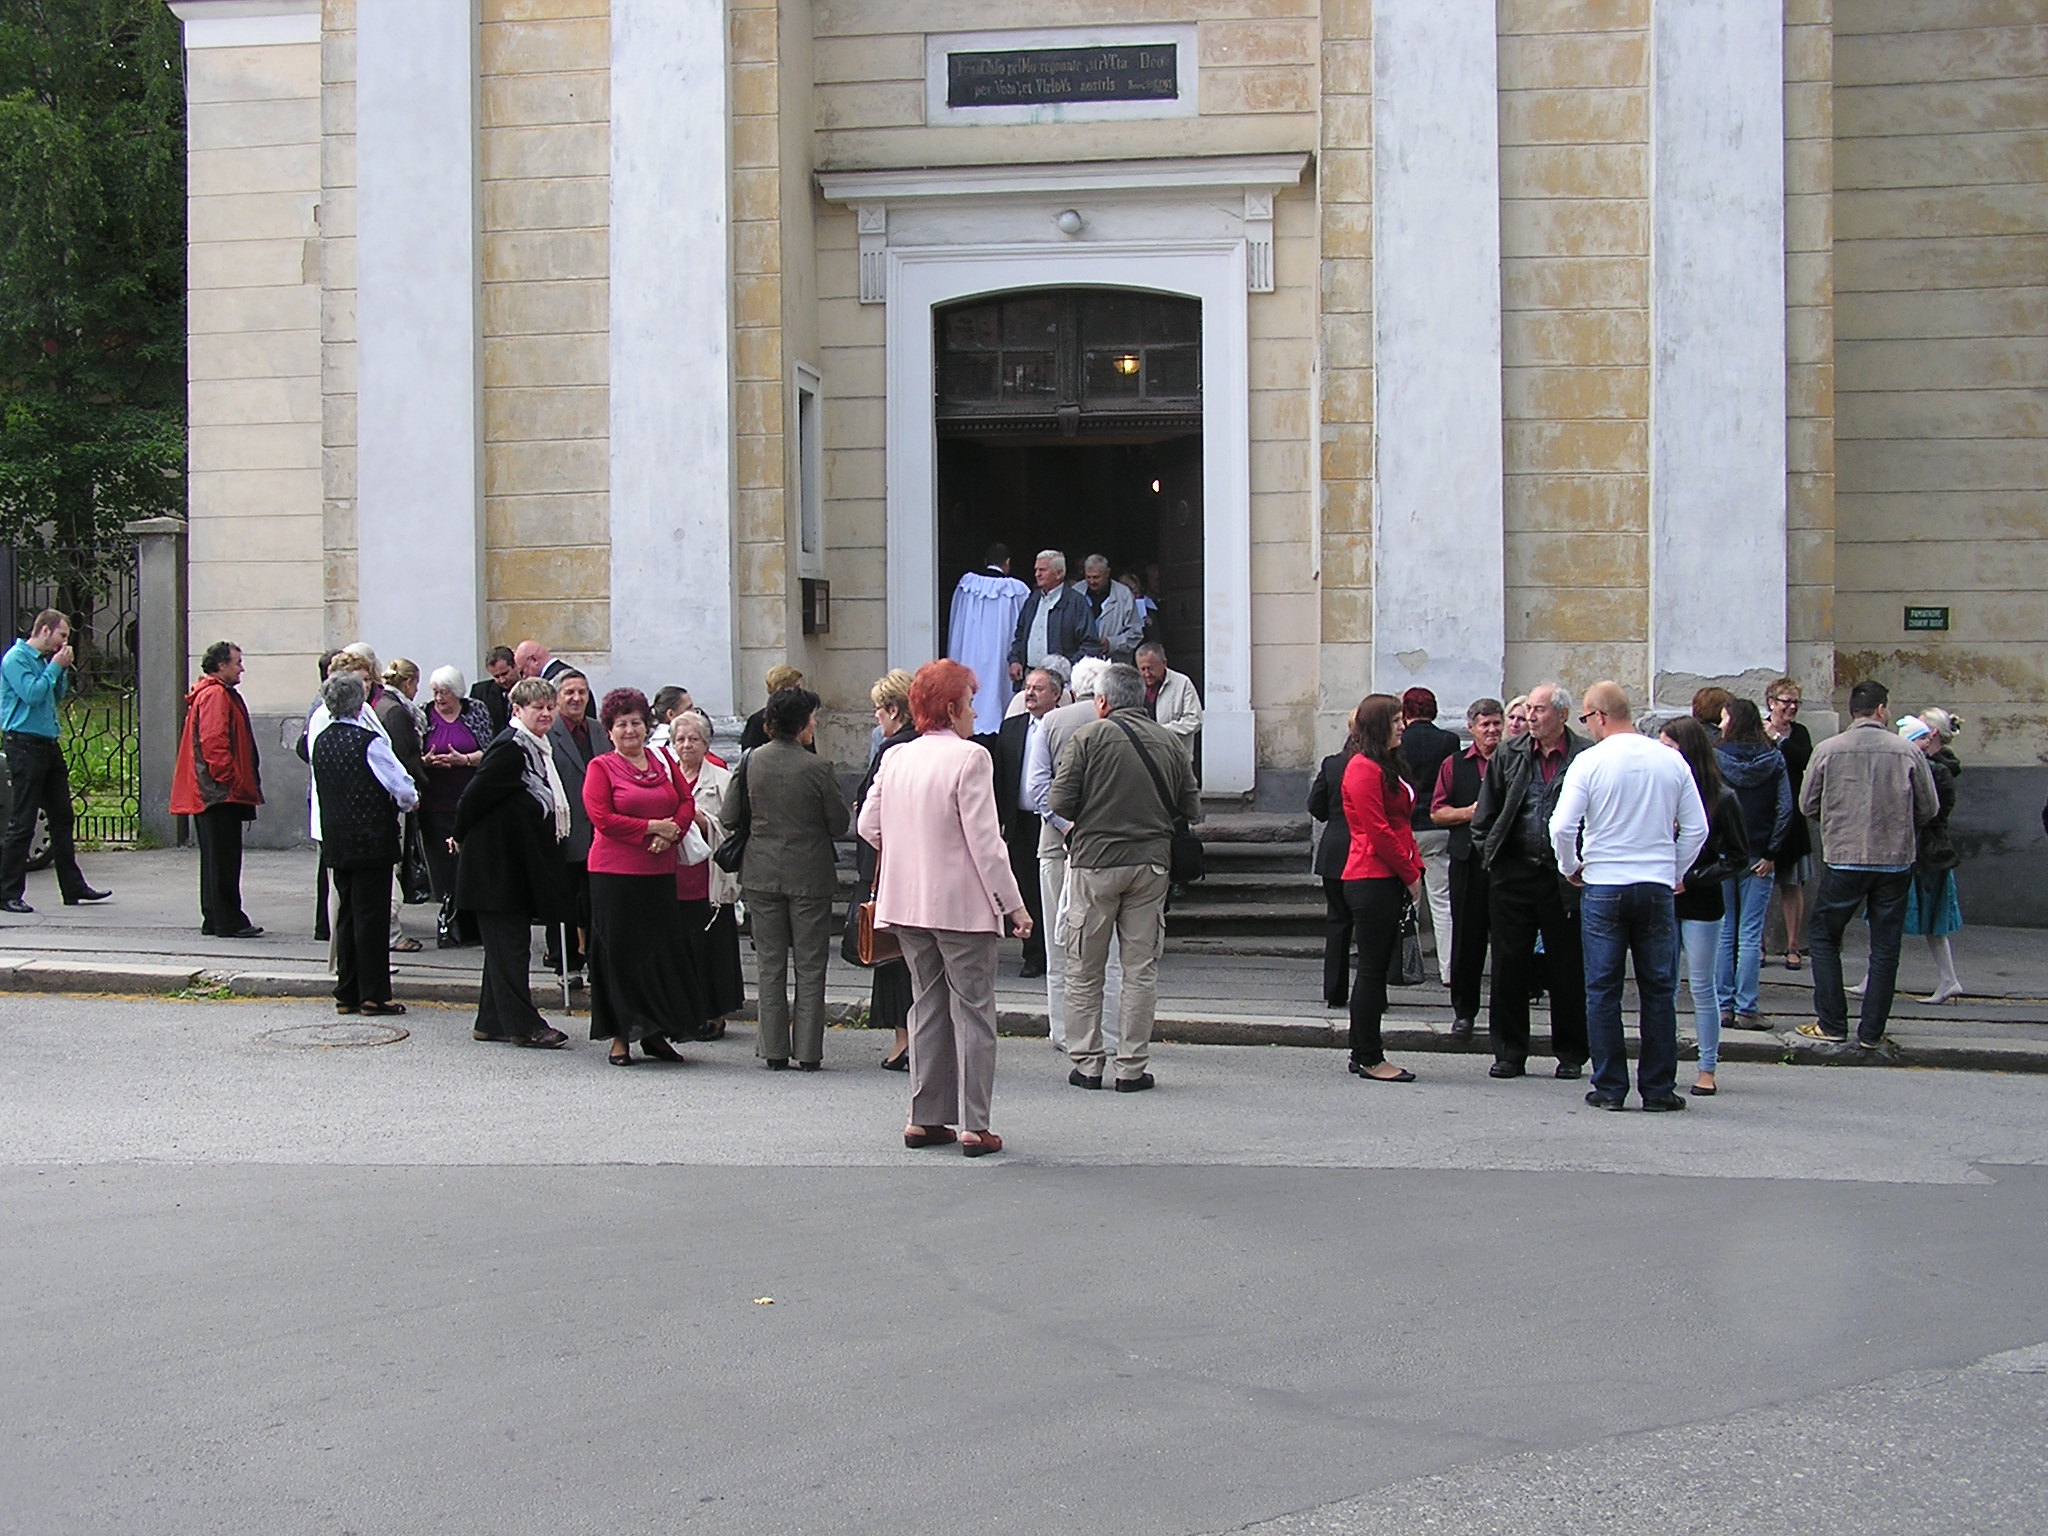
[(1787, 703), (1589, 714)]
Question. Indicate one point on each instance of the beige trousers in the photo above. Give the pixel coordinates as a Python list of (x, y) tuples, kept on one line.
[(952, 1025), (1052, 884), (1128, 903), (1435, 847)]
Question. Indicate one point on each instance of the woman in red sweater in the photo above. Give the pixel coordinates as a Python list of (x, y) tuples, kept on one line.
[(1384, 870), (639, 807)]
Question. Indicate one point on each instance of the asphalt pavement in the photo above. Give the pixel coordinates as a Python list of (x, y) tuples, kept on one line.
[(265, 1275)]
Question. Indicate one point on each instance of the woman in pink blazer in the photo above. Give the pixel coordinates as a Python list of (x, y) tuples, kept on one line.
[(943, 887)]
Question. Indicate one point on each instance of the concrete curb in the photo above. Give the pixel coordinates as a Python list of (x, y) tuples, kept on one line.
[(98, 976)]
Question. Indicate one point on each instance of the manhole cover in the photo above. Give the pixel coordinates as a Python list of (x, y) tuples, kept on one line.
[(330, 1037)]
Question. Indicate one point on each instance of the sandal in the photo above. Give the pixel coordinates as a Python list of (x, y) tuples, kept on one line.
[(406, 946), (1815, 1032), (1794, 961), (984, 1143), (929, 1135)]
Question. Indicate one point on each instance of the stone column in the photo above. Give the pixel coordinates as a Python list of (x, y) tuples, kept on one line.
[(671, 362), (160, 608), (1438, 554), (1717, 358), (419, 459)]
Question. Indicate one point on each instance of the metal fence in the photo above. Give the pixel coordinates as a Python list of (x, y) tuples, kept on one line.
[(100, 730)]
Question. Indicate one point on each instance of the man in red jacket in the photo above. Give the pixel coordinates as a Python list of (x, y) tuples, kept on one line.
[(215, 782)]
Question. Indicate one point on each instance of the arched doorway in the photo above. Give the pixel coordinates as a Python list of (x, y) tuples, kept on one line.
[(1071, 419)]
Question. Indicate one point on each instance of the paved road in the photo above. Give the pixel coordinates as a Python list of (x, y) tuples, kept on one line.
[(432, 1286)]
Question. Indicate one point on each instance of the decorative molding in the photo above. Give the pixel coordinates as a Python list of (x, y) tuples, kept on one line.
[(1197, 187), (873, 222), (247, 23)]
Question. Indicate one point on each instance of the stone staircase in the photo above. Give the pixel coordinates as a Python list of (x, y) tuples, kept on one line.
[(1260, 897)]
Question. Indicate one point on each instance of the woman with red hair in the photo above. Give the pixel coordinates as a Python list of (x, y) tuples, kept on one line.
[(943, 886)]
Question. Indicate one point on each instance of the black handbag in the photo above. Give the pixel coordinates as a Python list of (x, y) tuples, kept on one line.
[(415, 879), (1404, 965), (1187, 863), (731, 851)]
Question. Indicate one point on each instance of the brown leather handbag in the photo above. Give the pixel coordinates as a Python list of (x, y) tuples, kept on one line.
[(876, 944)]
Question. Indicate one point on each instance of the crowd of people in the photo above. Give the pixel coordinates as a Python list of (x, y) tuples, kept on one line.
[(1566, 851), (1050, 804)]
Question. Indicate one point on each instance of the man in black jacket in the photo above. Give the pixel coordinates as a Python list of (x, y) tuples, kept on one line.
[(1021, 826), (494, 692), (1055, 619), (1527, 897), (1425, 748), (1452, 804)]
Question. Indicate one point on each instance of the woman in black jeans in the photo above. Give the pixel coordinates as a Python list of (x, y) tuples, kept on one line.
[(1383, 871)]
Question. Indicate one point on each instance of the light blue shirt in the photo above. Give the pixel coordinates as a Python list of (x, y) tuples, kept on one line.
[(30, 691)]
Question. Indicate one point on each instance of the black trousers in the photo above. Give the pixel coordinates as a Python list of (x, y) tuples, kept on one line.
[(1471, 926), (1339, 923), (1024, 865), (1527, 898), (1376, 913), (504, 1006), (218, 831), (41, 782), (362, 935)]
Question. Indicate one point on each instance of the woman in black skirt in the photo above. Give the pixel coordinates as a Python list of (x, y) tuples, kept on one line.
[(639, 807), (889, 997), (706, 894)]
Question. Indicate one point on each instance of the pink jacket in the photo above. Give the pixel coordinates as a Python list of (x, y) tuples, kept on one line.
[(932, 813)]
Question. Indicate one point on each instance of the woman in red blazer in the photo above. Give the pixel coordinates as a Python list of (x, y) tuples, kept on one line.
[(943, 886), (1384, 870)]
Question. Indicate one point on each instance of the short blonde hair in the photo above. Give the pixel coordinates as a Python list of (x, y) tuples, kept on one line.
[(892, 691), (784, 676), (691, 720), (1942, 723)]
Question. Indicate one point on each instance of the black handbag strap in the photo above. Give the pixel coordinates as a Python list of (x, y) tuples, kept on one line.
[(1158, 780)]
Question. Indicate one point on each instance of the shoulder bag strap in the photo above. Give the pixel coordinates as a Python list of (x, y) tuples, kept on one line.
[(1158, 780)]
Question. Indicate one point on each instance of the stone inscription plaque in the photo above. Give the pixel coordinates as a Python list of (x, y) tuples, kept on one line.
[(1032, 77)]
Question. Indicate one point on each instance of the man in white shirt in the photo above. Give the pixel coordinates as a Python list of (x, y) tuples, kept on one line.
[(1627, 825)]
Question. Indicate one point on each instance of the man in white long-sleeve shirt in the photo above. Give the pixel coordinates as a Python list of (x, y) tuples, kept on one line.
[(1627, 826)]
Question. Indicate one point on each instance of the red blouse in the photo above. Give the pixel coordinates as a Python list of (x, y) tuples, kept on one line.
[(1382, 843), (622, 802)]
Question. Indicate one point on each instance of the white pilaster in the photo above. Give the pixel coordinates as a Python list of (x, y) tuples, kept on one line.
[(419, 460), (671, 369), (1437, 510), (1717, 371)]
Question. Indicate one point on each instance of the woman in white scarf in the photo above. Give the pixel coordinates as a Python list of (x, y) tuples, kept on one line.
[(509, 873)]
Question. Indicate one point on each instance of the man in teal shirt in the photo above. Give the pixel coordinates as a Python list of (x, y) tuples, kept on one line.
[(34, 677)]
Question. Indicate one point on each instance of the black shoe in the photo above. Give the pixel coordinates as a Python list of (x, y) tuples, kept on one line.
[(85, 893), (1079, 1079), (810, 1066), (16, 904), (250, 932), (777, 1063), (1461, 1029), (1600, 1100), (900, 1062), (1507, 1069), (1663, 1102), (1032, 970), (1568, 1070), (1136, 1084)]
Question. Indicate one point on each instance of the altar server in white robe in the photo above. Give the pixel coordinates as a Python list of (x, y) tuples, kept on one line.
[(979, 630)]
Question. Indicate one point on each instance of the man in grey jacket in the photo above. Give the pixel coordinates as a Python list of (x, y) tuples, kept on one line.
[(1871, 791), (1118, 854)]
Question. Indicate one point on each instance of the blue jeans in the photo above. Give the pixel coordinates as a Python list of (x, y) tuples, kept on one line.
[(1618, 923), (1699, 941), (1747, 899), (1841, 892)]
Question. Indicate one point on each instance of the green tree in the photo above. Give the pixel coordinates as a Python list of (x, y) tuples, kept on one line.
[(92, 280)]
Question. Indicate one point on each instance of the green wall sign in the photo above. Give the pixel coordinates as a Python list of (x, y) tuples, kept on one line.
[(1926, 618)]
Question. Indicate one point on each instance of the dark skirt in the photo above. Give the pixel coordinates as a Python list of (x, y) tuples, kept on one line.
[(639, 981), (711, 949), (889, 1001)]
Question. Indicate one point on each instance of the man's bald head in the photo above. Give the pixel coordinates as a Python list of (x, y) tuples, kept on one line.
[(1605, 711)]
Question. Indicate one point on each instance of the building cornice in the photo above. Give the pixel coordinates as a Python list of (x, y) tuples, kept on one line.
[(247, 23), (1205, 173)]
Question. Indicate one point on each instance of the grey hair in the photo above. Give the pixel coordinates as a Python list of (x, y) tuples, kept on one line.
[(1479, 709), (1559, 697), (343, 695), (1151, 648), (1088, 676), (449, 678), (1059, 667), (1122, 686), (1056, 558), (362, 651), (531, 690), (1942, 723), (691, 720), (1095, 563)]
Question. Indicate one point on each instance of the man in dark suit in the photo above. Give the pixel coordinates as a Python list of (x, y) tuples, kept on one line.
[(494, 692), (573, 740), (1055, 621), (1021, 826)]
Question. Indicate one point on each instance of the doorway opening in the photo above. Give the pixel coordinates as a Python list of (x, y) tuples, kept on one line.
[(1071, 419)]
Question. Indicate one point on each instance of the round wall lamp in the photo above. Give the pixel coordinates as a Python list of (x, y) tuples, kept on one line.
[(1068, 221)]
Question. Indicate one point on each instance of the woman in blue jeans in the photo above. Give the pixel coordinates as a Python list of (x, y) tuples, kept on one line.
[(1699, 907), (1755, 770)]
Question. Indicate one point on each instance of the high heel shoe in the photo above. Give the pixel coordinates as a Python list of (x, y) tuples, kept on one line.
[(900, 1062), (622, 1059), (1947, 992)]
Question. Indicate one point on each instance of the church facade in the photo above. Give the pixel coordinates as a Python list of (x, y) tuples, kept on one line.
[(1391, 342)]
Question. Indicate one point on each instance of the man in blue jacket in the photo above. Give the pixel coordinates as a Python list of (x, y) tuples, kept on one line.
[(35, 675)]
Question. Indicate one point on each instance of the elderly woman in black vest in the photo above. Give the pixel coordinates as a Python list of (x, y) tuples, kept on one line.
[(363, 789), (509, 827)]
